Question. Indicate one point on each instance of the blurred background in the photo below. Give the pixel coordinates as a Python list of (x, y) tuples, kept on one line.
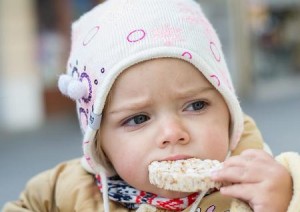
[(38, 126)]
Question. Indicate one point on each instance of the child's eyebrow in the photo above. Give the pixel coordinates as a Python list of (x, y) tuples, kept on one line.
[(131, 106), (141, 103), (194, 91)]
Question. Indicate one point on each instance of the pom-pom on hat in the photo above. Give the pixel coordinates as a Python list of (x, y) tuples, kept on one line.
[(120, 33)]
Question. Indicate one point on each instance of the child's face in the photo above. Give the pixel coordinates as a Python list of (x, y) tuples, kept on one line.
[(163, 109)]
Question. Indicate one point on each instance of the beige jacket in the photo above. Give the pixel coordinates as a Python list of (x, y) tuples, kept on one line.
[(68, 187)]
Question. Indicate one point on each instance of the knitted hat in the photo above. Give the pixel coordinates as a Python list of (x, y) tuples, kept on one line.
[(120, 33)]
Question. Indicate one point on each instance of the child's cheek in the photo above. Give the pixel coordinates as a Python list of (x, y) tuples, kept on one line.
[(129, 172), (216, 143)]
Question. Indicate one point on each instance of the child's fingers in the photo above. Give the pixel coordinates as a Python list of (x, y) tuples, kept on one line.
[(255, 153), (241, 191), (236, 174), (248, 157), (237, 161)]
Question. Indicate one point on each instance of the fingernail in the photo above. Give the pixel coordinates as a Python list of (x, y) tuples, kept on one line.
[(214, 173)]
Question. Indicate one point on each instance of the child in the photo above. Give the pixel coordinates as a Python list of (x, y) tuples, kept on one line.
[(151, 83)]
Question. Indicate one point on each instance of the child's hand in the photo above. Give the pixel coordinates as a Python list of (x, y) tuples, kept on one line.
[(255, 177)]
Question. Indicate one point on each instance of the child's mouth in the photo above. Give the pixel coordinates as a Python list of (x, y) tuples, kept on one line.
[(176, 157)]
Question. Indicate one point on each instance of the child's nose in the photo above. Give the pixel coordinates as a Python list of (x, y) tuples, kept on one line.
[(173, 132)]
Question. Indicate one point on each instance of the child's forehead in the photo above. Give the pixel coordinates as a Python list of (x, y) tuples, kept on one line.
[(163, 65), (168, 69), (164, 73)]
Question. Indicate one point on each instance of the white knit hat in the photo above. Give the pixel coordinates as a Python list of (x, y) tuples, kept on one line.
[(120, 33)]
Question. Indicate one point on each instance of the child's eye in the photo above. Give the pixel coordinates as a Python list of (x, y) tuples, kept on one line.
[(195, 106), (136, 120)]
